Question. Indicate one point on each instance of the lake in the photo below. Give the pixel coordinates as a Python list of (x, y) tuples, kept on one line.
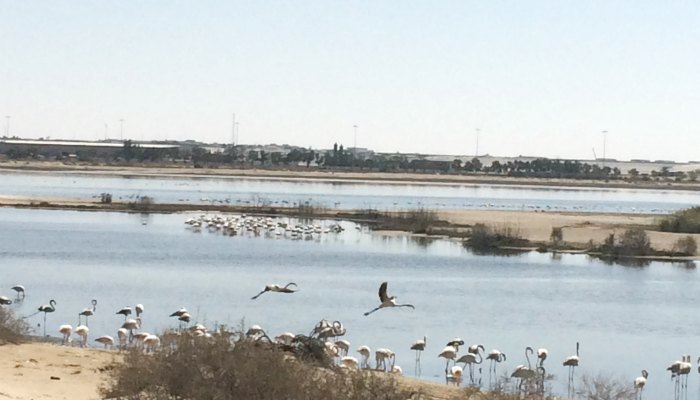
[(626, 318), (347, 195)]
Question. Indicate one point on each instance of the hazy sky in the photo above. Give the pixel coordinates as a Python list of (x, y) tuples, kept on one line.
[(537, 77)]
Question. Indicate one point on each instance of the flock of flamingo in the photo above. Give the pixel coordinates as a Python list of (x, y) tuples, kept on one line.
[(528, 379)]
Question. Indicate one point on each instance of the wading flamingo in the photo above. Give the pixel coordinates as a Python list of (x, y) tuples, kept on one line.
[(418, 346)]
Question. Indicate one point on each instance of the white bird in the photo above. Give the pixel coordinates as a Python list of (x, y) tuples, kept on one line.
[(47, 308), (418, 346), (83, 332), (179, 312), (122, 334), (381, 355), (130, 325), (448, 353), (105, 340), (541, 356), (350, 362), (395, 369), (88, 312), (285, 338), (66, 331), (5, 301), (151, 343), (387, 301), (364, 352), (277, 289), (19, 289), (572, 363), (640, 382), (125, 311), (471, 359), (455, 375), (495, 356), (455, 342), (343, 346), (139, 310)]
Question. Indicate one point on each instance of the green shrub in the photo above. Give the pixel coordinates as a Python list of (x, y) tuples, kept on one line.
[(683, 221)]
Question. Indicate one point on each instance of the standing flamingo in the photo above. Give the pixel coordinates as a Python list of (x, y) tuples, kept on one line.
[(5, 301), (448, 353), (496, 357), (88, 312), (471, 359), (572, 363), (83, 332), (455, 375), (47, 308), (381, 355), (105, 340), (418, 346), (639, 384), (386, 300), (65, 330), (364, 360), (20, 291)]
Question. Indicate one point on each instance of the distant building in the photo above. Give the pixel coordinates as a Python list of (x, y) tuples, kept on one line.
[(65, 148)]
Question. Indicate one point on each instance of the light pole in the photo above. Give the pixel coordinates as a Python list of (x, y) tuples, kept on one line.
[(106, 131), (121, 129), (7, 126), (236, 128)]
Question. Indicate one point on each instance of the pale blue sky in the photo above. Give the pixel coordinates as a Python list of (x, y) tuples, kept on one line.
[(538, 77)]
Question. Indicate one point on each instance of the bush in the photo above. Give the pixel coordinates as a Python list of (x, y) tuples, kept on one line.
[(634, 242), (485, 237), (683, 221), (557, 236), (187, 367), (12, 330), (143, 203), (686, 246), (604, 387)]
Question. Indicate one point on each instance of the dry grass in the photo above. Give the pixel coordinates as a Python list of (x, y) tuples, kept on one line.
[(12, 330), (219, 368)]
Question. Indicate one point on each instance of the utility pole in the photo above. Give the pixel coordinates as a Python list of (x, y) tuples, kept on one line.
[(106, 131), (7, 126), (233, 130), (605, 137), (121, 129)]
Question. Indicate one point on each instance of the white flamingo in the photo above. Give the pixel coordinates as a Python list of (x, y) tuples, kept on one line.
[(122, 334), (639, 384), (495, 356), (455, 375), (386, 301), (275, 288), (350, 362), (449, 353), (343, 346), (572, 363), (87, 312), (381, 355), (83, 332), (419, 347), (66, 331), (5, 301), (47, 308), (365, 353), (125, 311), (20, 291), (471, 359), (105, 340)]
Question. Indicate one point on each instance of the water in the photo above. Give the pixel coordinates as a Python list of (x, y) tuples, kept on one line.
[(347, 195), (626, 318)]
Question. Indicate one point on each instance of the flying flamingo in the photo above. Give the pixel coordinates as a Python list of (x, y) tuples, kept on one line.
[(496, 357), (47, 308), (418, 346), (572, 363), (639, 384), (276, 289), (88, 312), (386, 300)]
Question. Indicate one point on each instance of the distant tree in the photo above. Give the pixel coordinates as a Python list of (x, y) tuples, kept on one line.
[(476, 164), (633, 173)]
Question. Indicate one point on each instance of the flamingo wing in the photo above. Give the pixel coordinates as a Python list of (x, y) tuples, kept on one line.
[(382, 292)]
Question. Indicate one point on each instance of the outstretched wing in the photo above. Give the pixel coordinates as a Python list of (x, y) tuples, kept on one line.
[(382, 292)]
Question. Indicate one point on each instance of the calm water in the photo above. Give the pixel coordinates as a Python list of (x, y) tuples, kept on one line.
[(625, 318), (380, 196)]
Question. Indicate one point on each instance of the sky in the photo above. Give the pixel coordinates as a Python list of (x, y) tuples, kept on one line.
[(537, 78)]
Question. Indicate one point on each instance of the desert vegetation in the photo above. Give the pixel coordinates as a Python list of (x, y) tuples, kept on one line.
[(683, 221), (12, 329), (487, 237)]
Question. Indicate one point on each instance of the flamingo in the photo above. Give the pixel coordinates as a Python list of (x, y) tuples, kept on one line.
[(381, 355), (541, 356), (285, 338), (122, 334), (470, 359), (524, 374), (65, 330), (572, 363), (179, 312), (496, 357), (20, 291), (130, 325), (455, 342), (139, 310), (125, 311), (684, 371), (343, 346), (387, 301), (364, 352), (47, 308), (418, 346), (151, 343), (455, 375), (276, 289), (396, 370), (675, 369), (350, 362), (88, 312), (448, 353), (5, 301), (639, 384), (105, 340), (83, 332)]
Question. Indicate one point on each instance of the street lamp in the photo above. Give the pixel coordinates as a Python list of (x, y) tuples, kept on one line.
[(354, 145), (121, 129), (7, 126)]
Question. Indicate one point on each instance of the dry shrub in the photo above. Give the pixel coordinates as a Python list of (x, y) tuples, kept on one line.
[(604, 387), (686, 246), (217, 368), (486, 237), (12, 330)]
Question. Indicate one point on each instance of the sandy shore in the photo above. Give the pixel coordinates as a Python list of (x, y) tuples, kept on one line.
[(30, 371), (185, 171), (26, 373)]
